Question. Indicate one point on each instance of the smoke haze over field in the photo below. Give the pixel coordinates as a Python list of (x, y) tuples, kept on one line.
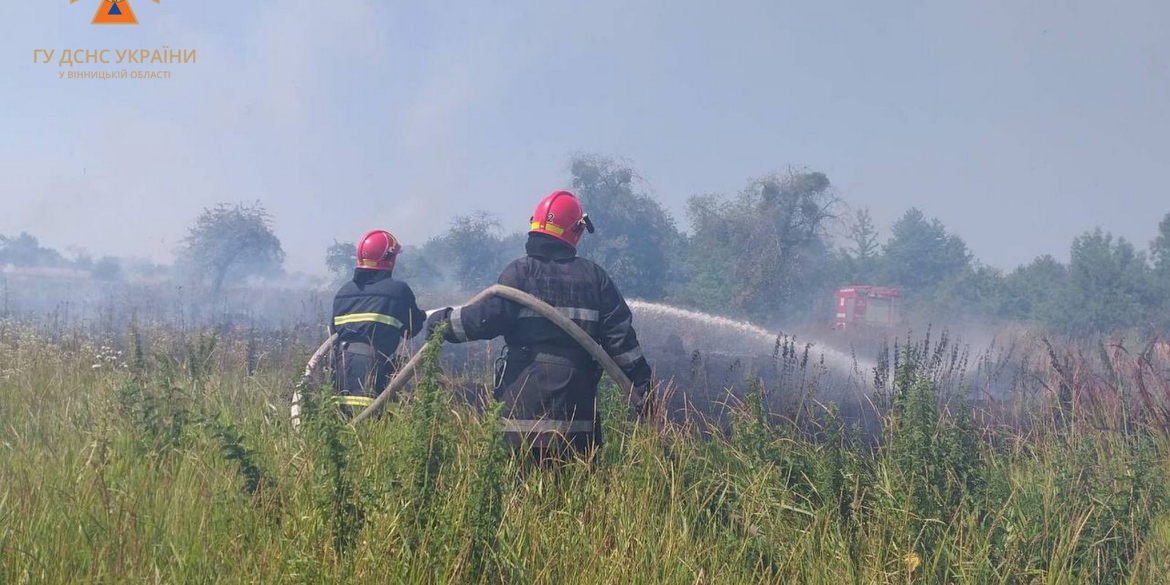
[(1019, 125)]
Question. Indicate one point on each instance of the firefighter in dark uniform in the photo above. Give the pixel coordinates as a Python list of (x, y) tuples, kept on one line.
[(547, 381), (371, 315)]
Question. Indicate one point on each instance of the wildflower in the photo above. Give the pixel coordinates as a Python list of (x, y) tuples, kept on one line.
[(912, 561)]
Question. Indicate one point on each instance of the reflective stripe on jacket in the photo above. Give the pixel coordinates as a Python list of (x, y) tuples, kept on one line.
[(374, 308), (578, 288)]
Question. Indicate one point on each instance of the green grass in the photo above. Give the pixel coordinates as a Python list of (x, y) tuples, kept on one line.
[(176, 464)]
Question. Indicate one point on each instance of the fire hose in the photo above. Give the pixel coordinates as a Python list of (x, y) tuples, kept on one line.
[(404, 373)]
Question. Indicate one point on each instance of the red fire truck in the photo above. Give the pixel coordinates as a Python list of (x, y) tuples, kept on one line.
[(861, 306)]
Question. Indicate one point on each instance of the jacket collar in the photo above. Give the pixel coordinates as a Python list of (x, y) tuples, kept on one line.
[(364, 276), (549, 248)]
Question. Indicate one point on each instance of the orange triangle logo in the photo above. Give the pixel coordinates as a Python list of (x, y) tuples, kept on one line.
[(114, 12)]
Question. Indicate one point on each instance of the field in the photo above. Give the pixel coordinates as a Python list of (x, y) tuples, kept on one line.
[(158, 454)]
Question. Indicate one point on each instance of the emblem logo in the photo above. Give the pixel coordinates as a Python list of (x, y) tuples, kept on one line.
[(114, 12)]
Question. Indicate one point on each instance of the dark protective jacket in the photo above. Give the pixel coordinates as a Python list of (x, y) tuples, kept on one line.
[(371, 315), (549, 384)]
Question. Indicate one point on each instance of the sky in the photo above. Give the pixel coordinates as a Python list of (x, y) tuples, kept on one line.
[(1018, 124)]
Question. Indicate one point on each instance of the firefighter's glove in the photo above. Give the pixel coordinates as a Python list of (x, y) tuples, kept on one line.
[(645, 403), (436, 319)]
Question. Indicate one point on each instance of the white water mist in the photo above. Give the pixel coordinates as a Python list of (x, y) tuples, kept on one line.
[(713, 333)]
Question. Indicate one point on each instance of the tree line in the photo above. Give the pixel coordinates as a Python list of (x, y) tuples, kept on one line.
[(773, 252), (25, 251), (776, 250)]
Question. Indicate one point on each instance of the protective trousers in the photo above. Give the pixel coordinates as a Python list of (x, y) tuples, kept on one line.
[(361, 373), (550, 405)]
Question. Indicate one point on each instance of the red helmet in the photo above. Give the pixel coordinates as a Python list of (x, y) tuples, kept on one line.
[(560, 215), (377, 250)]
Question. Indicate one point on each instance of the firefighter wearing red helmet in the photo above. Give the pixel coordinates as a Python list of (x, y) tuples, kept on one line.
[(371, 314), (547, 382)]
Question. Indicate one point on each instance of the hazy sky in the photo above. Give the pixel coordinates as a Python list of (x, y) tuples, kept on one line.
[(1019, 124)]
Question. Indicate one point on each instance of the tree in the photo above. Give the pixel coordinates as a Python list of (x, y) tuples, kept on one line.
[(106, 268), (416, 268), (341, 258), (863, 255), (25, 251), (230, 242), (921, 254), (708, 254), (81, 259), (1109, 285), (781, 240), (864, 236), (1160, 254), (144, 268), (1160, 248), (635, 236), (766, 251), (472, 249), (975, 293), (1036, 292)]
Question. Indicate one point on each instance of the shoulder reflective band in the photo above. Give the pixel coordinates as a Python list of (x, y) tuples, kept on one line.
[(570, 312), (560, 231), (564, 427), (629, 357), (456, 319), (367, 318), (359, 401)]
